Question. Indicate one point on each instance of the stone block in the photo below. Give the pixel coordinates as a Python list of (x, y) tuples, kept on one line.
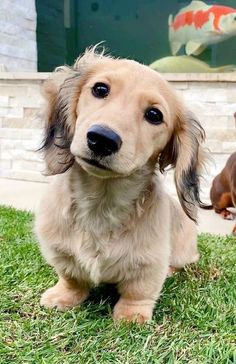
[(14, 133), (28, 145), (16, 64), (196, 107), (14, 18), (12, 90), (31, 112), (214, 146), (217, 122), (3, 68), (180, 85), (26, 8), (5, 164), (11, 112), (228, 135), (29, 123), (25, 175), (13, 30), (4, 101), (228, 147), (21, 95), (231, 95), (212, 109), (18, 48), (25, 165), (21, 7), (27, 101), (206, 95), (21, 154)]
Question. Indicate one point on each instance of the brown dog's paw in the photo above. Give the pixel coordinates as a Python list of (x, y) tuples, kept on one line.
[(132, 312), (234, 231), (62, 299), (227, 215)]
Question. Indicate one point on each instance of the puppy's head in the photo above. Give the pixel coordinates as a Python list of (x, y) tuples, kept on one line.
[(114, 116)]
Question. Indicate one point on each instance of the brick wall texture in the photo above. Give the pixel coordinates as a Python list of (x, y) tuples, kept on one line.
[(18, 49), (214, 103)]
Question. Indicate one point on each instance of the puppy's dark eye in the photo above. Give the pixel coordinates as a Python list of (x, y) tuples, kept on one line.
[(100, 90), (153, 115)]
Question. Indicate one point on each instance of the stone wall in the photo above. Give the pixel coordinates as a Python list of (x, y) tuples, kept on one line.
[(18, 49), (211, 97), (20, 125)]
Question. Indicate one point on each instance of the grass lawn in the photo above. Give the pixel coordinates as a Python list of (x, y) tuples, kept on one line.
[(194, 320)]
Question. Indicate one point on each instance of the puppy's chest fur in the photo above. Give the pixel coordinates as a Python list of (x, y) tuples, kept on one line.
[(105, 215), (102, 262)]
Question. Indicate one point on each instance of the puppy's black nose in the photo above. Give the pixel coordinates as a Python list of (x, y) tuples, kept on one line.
[(103, 141)]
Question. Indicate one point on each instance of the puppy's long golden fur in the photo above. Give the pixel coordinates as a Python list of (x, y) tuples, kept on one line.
[(106, 218)]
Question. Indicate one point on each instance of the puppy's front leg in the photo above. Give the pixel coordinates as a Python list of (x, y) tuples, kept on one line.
[(138, 297), (66, 294)]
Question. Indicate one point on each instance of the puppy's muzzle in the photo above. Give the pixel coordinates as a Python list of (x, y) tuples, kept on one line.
[(103, 141)]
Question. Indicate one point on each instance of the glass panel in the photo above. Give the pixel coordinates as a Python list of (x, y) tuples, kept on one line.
[(139, 29)]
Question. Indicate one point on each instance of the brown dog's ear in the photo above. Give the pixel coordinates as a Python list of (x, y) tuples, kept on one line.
[(61, 92), (184, 153)]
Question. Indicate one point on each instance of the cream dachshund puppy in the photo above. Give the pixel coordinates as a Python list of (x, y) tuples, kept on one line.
[(111, 125)]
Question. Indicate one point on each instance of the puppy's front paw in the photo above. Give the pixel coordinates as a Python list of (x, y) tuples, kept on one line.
[(62, 298), (132, 311), (172, 271)]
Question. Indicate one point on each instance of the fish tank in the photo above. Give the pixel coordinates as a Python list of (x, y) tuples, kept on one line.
[(171, 36)]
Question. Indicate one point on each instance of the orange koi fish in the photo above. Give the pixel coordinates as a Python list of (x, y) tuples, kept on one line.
[(198, 25)]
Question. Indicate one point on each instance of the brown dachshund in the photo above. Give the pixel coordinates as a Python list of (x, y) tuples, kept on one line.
[(223, 190)]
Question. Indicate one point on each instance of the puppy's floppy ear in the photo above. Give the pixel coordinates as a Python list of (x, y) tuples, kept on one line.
[(184, 153), (61, 92), (60, 121)]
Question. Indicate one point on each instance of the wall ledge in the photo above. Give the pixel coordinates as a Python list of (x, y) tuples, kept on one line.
[(173, 77), (200, 77), (24, 75)]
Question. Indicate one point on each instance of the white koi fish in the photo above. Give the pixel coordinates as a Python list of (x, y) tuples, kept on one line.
[(198, 25)]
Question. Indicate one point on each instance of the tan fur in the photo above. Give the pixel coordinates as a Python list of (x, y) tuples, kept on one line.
[(117, 225)]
